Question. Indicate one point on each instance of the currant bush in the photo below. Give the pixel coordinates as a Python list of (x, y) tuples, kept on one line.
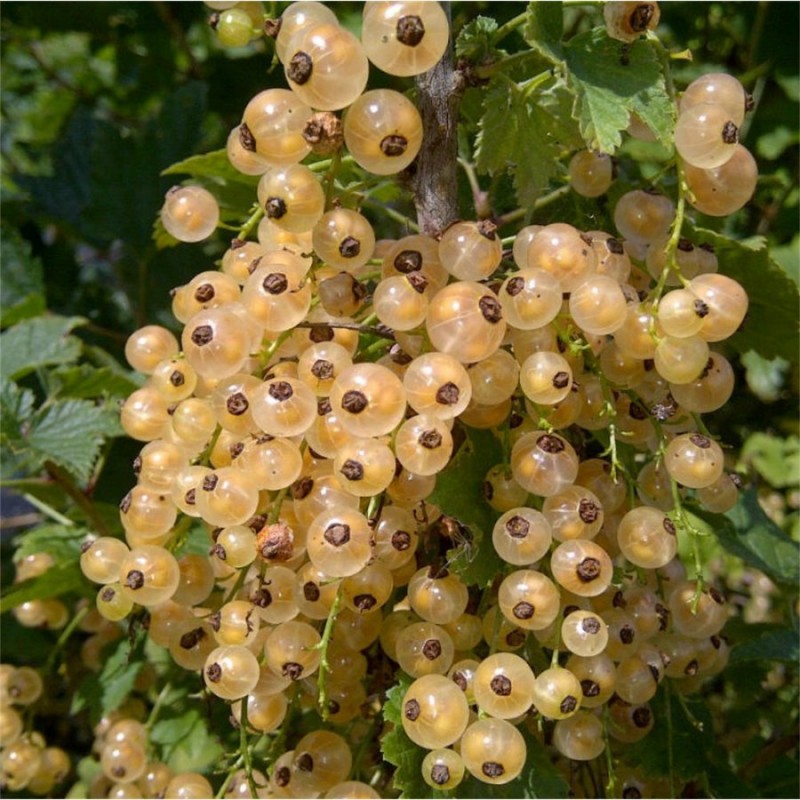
[(427, 472)]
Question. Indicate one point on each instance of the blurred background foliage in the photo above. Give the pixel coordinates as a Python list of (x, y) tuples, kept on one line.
[(99, 98)]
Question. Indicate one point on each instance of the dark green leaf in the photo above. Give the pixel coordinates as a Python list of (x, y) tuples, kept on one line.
[(474, 41), (22, 287), (186, 740), (773, 644), (38, 342), (677, 742), (746, 532), (526, 131), (788, 258), (85, 381), (459, 486), (771, 325), (127, 191), (58, 580), (611, 81), (65, 194), (106, 691), (459, 494), (544, 28)]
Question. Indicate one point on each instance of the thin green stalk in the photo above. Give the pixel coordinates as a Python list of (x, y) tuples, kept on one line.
[(670, 751), (275, 506), (483, 73), (244, 748), (390, 212), (240, 579), (324, 664), (509, 27), (330, 178), (611, 783), (63, 638), (47, 510), (154, 712), (229, 777), (544, 201), (251, 222)]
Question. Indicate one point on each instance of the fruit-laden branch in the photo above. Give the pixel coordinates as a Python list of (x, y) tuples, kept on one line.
[(435, 184)]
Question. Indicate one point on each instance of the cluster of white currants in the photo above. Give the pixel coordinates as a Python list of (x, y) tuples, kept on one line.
[(312, 402), (26, 763)]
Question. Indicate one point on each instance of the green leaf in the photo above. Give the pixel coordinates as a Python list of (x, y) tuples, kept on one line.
[(772, 644), (526, 131), (106, 691), (62, 542), (771, 325), (765, 376), (746, 532), (400, 751), (186, 741), (474, 41), (459, 494), (59, 579), (776, 459), (22, 288), (611, 81), (211, 165), (38, 342), (85, 381), (544, 29), (70, 433), (676, 742), (787, 257)]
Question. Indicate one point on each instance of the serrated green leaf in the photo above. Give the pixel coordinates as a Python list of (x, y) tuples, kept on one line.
[(474, 41), (544, 28), (611, 81), (746, 532), (37, 343), (70, 433), (772, 322), (186, 741), (772, 644), (776, 459), (22, 287), (59, 579), (526, 131), (106, 691), (86, 381)]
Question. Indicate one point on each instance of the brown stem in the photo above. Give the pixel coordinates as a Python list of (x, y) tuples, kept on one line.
[(376, 330), (435, 183)]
